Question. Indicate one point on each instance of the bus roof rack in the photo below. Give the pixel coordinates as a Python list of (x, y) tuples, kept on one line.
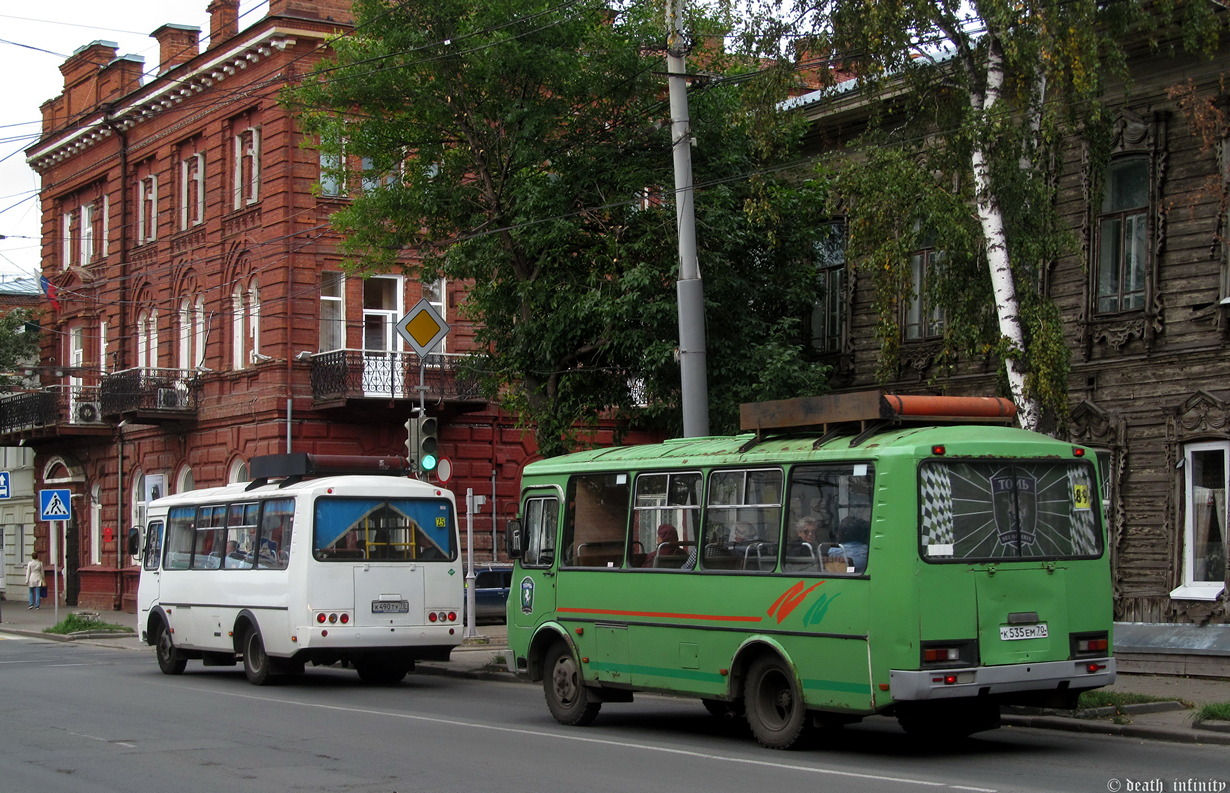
[(868, 411), (296, 466)]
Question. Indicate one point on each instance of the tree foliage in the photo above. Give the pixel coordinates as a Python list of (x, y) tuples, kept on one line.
[(523, 147), (968, 105), (18, 345)]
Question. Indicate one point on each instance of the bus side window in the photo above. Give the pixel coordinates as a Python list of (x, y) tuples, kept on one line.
[(541, 522), (277, 518), (743, 520), (597, 520), (828, 518)]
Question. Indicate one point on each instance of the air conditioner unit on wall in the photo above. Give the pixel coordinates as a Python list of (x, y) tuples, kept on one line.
[(87, 413), (171, 398)]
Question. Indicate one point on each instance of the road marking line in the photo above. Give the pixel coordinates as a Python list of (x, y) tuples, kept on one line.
[(775, 764)]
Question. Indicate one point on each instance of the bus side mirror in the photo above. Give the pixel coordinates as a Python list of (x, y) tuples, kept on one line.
[(133, 542), (512, 539)]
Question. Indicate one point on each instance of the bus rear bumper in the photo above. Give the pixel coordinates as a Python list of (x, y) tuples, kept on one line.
[(928, 684), (377, 638)]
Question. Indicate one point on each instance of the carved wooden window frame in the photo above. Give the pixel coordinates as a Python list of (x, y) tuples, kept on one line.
[(1133, 136)]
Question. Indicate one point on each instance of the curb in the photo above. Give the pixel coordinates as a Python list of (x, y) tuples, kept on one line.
[(1170, 734)]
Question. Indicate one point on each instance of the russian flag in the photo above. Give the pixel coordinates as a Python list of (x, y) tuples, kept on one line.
[(49, 289)]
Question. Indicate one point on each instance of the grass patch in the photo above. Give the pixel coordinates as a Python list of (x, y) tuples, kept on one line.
[(1100, 698), (1215, 710), (75, 623)]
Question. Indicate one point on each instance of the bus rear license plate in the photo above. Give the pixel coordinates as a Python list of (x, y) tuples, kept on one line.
[(390, 607), (1013, 632)]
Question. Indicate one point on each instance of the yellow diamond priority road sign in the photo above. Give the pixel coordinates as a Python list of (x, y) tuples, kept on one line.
[(423, 328)]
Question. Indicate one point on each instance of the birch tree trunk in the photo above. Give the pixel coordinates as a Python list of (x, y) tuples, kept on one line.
[(991, 219)]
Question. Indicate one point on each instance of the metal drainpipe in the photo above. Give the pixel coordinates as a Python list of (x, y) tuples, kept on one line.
[(122, 305)]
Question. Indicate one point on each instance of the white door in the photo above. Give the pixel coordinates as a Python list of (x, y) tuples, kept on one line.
[(382, 308)]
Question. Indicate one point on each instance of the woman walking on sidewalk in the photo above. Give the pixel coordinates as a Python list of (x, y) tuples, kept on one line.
[(35, 580)]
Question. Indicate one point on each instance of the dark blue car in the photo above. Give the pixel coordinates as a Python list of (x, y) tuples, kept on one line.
[(491, 583)]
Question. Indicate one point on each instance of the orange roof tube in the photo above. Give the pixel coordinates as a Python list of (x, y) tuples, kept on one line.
[(950, 406)]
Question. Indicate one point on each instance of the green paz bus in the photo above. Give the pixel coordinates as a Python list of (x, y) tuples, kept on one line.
[(854, 555)]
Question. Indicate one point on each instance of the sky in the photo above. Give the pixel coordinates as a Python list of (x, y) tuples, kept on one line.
[(34, 41)]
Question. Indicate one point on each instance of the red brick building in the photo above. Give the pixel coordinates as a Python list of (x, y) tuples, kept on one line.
[(204, 316)]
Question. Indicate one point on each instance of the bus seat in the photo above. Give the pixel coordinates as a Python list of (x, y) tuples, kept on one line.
[(604, 553)]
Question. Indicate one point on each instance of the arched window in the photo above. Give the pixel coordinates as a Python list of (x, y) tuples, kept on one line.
[(245, 325), (147, 339), (192, 333)]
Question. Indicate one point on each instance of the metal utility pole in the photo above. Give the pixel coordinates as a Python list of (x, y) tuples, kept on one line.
[(688, 289)]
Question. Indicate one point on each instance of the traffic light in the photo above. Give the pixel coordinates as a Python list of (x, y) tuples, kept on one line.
[(412, 441), (426, 443)]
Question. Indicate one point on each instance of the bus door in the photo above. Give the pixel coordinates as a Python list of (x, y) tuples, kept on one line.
[(389, 594), (151, 559), (531, 596), (1020, 529)]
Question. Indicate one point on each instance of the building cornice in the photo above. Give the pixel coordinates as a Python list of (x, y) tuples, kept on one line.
[(165, 92)]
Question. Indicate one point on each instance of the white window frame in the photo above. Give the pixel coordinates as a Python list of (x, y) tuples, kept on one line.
[(332, 326), (191, 334), (147, 209), (87, 234), (247, 171), (192, 190), (68, 249), (147, 339), (1189, 588)]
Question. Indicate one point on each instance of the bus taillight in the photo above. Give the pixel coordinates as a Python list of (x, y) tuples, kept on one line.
[(321, 617), (452, 616), (949, 653), (1090, 643), (345, 618)]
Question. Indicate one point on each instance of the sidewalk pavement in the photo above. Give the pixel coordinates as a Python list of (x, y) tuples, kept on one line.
[(483, 656)]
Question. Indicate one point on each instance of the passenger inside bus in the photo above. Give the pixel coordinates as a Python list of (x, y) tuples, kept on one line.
[(852, 537), (670, 551)]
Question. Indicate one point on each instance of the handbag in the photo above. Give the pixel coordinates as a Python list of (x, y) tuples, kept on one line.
[(42, 591)]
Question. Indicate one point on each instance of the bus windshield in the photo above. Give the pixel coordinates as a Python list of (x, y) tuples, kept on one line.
[(975, 510), (398, 530)]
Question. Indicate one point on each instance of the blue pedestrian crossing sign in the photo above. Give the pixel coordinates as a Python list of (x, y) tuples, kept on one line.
[(5, 484), (54, 504)]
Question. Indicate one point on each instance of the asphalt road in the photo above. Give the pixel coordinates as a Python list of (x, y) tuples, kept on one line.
[(94, 718)]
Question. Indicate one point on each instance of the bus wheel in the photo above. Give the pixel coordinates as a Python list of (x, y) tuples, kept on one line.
[(170, 660), (567, 697), (256, 662), (775, 708)]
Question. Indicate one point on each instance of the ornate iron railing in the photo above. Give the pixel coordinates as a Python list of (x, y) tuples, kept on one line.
[(150, 390), (348, 374), (50, 407)]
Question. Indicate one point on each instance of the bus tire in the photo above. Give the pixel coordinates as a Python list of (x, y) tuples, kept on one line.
[(257, 665), (170, 660), (568, 699), (776, 712)]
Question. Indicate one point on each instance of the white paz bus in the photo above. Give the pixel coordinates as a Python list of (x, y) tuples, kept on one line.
[(319, 559)]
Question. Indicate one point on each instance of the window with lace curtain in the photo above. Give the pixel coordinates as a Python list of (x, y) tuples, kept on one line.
[(1204, 472)]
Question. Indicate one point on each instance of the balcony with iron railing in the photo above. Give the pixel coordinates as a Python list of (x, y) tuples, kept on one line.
[(341, 376), (152, 395), (51, 411)]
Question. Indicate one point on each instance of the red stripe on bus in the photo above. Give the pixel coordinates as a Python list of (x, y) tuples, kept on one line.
[(619, 613)]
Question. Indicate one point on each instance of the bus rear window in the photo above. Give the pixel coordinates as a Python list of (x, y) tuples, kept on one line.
[(975, 510), (376, 529)]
